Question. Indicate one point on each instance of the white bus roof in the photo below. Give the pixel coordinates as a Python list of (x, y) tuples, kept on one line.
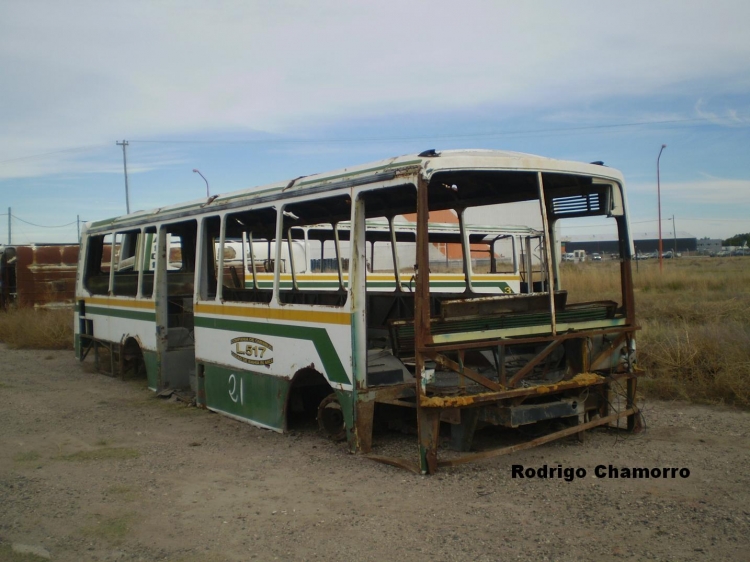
[(427, 163)]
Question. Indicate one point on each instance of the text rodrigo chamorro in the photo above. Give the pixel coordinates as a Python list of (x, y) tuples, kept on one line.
[(606, 471)]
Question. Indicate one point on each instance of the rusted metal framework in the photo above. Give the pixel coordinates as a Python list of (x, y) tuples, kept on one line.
[(37, 275), (597, 356)]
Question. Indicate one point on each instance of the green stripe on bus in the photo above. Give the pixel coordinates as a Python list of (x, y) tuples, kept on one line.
[(120, 313), (318, 336)]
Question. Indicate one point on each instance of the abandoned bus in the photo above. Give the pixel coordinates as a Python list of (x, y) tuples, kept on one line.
[(347, 295), (37, 275)]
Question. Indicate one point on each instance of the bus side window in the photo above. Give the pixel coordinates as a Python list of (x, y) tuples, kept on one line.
[(98, 264), (379, 254), (249, 256), (317, 266), (181, 245), (125, 282), (492, 254)]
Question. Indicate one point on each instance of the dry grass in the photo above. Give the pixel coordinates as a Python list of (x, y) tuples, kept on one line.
[(27, 328), (695, 342)]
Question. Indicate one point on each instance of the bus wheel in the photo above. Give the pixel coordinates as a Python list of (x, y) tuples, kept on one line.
[(132, 364), (331, 418)]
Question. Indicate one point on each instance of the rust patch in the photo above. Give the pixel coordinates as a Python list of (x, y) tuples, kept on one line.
[(38, 275), (450, 401), (586, 378), (581, 379)]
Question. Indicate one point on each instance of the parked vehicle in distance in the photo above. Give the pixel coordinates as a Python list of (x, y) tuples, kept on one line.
[(596, 257), (569, 256)]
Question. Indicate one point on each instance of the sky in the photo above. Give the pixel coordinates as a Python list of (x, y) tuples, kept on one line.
[(254, 92)]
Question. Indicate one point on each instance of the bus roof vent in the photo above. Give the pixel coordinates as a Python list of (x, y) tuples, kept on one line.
[(577, 204), (428, 153)]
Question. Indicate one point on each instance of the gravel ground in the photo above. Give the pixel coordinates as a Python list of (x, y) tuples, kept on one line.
[(93, 468)]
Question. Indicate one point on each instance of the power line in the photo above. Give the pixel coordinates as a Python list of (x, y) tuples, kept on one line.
[(722, 219), (44, 154), (698, 219), (388, 139), (612, 224), (434, 136), (41, 225)]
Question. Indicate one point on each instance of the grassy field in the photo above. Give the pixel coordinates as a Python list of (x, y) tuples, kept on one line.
[(695, 341), (694, 345)]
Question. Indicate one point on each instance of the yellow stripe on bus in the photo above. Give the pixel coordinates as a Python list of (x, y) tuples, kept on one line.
[(391, 277), (125, 303), (312, 316)]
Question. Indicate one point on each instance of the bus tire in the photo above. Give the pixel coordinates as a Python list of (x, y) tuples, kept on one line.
[(331, 418)]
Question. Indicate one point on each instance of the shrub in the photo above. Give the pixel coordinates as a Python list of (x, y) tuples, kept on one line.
[(28, 328)]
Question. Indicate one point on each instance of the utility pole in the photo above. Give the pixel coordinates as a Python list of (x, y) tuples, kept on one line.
[(658, 195), (674, 233), (124, 143), (9, 239), (78, 227)]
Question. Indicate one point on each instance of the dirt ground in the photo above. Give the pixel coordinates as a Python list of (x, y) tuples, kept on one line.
[(93, 468)]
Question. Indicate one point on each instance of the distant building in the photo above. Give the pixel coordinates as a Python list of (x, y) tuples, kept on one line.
[(642, 246), (709, 246)]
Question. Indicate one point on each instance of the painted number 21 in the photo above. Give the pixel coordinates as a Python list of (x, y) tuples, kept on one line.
[(236, 390)]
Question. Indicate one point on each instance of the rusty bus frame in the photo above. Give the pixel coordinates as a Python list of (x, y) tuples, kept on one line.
[(37, 275), (582, 395), (457, 359)]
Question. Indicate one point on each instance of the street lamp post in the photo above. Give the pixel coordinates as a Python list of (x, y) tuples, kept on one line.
[(204, 179), (658, 196)]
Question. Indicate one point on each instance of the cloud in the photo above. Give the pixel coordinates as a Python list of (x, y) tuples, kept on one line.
[(100, 159), (728, 118), (81, 72), (712, 190)]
